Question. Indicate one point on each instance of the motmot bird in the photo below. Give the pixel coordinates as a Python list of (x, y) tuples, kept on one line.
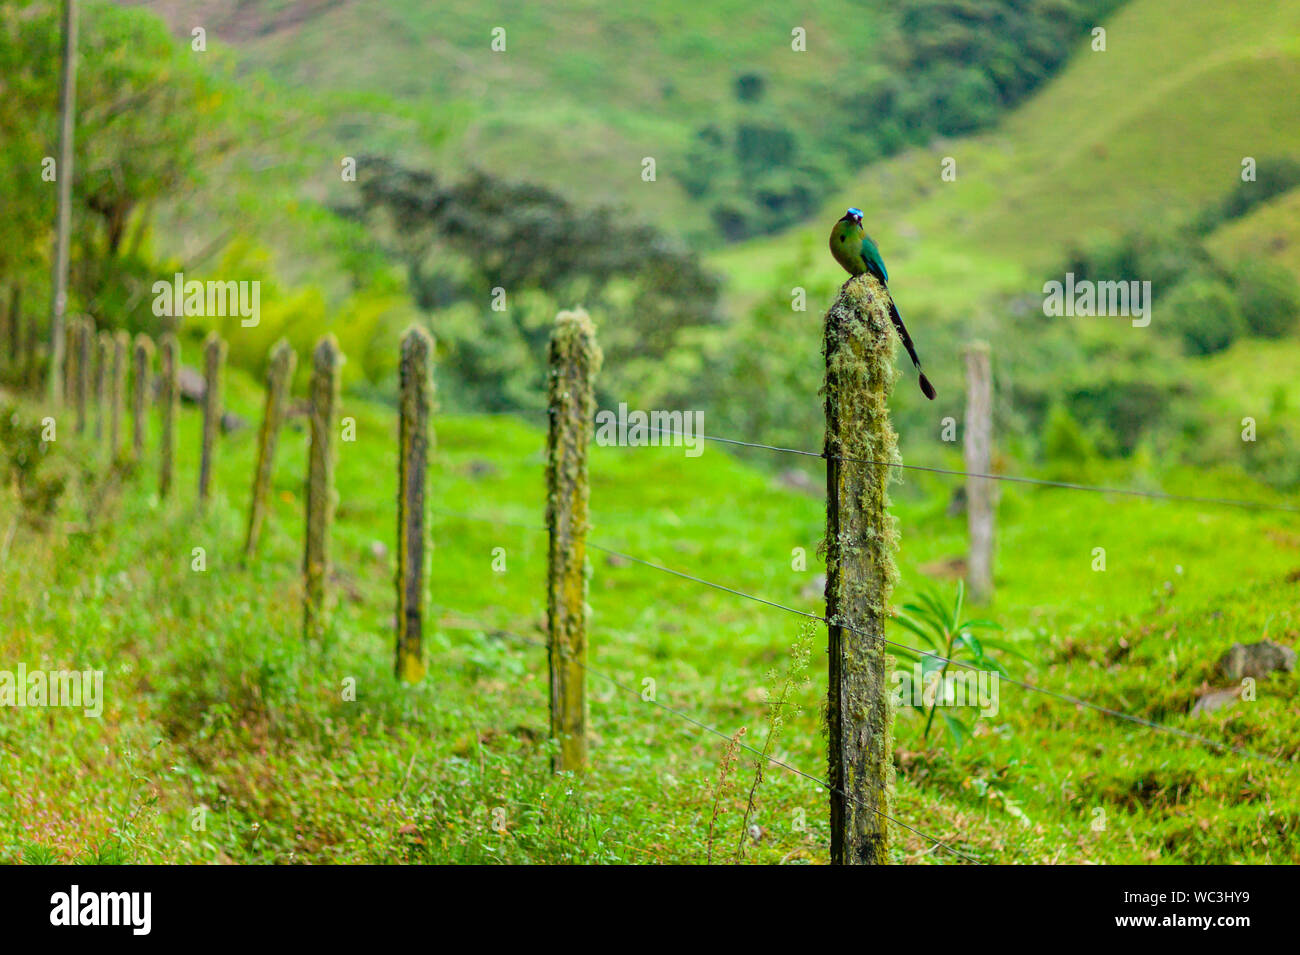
[(854, 250)]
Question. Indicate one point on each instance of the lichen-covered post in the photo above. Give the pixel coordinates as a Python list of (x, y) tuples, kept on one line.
[(279, 372), (170, 398), (214, 359), (981, 493), (141, 383), (6, 334), (860, 540), (413, 456), (574, 359), (85, 349), (103, 360), (71, 336), (117, 392), (320, 487)]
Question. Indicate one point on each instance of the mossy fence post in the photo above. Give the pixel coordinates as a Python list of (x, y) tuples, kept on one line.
[(279, 373), (6, 336), (575, 360), (860, 539), (103, 361), (117, 392), (981, 493), (214, 360), (85, 336), (413, 459), (141, 384), (320, 487), (169, 398), (71, 336)]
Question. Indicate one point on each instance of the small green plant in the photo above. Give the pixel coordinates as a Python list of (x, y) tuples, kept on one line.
[(947, 641), (782, 707)]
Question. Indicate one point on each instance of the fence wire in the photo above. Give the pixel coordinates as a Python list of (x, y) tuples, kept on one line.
[(497, 631), (1064, 697)]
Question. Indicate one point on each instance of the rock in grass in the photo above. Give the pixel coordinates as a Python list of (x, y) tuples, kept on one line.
[(1255, 660)]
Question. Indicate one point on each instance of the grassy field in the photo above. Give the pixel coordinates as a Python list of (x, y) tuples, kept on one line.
[(213, 702)]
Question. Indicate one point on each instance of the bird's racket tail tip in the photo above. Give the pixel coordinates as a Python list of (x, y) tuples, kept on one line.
[(927, 389)]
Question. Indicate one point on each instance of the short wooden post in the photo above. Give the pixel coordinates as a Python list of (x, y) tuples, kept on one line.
[(16, 334), (141, 384), (575, 360), (413, 455), (71, 336), (981, 493), (103, 359), (326, 360), (117, 390), (34, 354), (861, 536), (214, 360), (85, 335), (6, 335), (279, 373), (170, 398)]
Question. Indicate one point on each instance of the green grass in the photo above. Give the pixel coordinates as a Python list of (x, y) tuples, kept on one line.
[(212, 700)]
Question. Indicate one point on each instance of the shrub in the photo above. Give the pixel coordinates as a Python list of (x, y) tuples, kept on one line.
[(1269, 297), (1204, 314)]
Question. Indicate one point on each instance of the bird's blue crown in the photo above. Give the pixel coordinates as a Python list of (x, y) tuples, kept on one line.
[(855, 212)]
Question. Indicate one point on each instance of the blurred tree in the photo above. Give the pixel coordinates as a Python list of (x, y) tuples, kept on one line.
[(465, 240)]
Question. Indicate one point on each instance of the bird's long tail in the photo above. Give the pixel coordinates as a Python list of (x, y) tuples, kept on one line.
[(927, 389)]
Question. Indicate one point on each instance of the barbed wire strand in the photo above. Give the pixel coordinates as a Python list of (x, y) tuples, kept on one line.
[(499, 631), (1064, 697), (1017, 479)]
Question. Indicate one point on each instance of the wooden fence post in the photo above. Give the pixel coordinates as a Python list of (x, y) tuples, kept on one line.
[(861, 536), (121, 341), (33, 357), (981, 493), (214, 359), (320, 487), (413, 456), (85, 331), (575, 360), (103, 358), (170, 398), (71, 336), (141, 384), (279, 373), (6, 336)]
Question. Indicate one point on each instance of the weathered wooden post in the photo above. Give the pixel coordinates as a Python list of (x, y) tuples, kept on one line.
[(214, 359), (141, 384), (103, 359), (6, 335), (981, 493), (413, 456), (170, 398), (279, 373), (71, 336), (33, 356), (85, 335), (320, 487), (860, 539), (121, 342), (575, 360)]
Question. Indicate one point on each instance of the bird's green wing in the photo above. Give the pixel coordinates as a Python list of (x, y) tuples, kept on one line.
[(871, 255)]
